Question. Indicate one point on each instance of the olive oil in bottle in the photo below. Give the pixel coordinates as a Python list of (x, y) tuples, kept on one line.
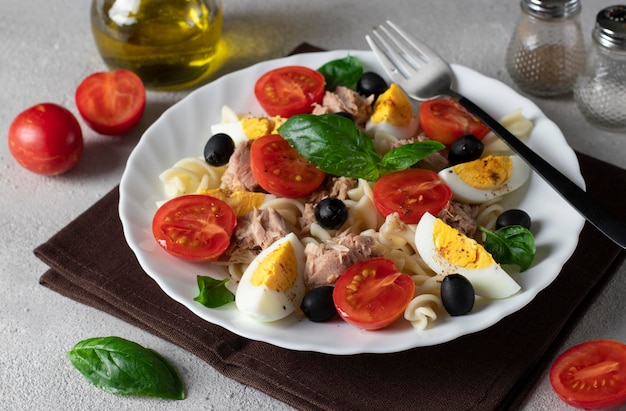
[(168, 43)]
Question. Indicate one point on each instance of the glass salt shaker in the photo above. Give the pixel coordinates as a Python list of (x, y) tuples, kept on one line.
[(546, 51), (600, 92)]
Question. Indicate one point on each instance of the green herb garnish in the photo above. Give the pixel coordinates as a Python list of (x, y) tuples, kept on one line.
[(337, 146), (343, 72), (514, 245), (213, 293), (119, 366)]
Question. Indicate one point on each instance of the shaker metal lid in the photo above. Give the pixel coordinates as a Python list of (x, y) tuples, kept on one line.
[(610, 28), (551, 9)]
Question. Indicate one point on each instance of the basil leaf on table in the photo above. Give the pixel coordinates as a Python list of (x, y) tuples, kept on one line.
[(120, 366), (513, 245), (213, 293), (337, 146), (343, 72)]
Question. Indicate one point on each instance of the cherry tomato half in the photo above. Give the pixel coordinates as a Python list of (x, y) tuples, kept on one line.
[(194, 227), (372, 293), (411, 193), (445, 120), (46, 139), (290, 90), (591, 375), (111, 103), (281, 170)]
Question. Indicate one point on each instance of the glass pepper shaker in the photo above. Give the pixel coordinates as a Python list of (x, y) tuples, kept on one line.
[(546, 51), (600, 92)]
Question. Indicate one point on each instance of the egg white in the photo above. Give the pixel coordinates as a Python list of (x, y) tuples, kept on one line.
[(397, 132), (233, 129), (490, 282), (230, 124), (468, 194), (263, 303)]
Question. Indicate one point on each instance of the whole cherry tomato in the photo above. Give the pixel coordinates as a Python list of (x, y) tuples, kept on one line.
[(46, 139)]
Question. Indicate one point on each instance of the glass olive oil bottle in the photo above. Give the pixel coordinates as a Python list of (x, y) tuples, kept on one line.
[(167, 43)]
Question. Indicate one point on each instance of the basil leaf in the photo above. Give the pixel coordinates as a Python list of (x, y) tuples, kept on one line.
[(120, 366), (213, 293), (343, 72), (513, 245), (334, 144), (337, 146), (405, 156)]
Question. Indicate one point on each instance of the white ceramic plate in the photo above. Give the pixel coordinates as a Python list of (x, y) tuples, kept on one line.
[(183, 130)]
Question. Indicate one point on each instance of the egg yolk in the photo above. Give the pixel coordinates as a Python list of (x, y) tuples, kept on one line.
[(485, 173), (278, 270), (255, 127), (241, 201), (393, 107), (458, 249)]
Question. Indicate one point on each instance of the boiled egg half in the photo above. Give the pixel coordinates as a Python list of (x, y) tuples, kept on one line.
[(393, 119), (448, 251), (272, 287), (486, 178)]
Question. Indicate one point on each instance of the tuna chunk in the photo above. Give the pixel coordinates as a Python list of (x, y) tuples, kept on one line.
[(325, 262), (238, 175), (346, 100), (333, 187), (307, 219), (256, 231), (461, 216)]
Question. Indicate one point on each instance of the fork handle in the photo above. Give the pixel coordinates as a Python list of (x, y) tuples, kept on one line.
[(586, 205)]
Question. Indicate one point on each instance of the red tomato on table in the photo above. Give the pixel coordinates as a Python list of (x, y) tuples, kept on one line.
[(411, 193), (290, 90), (591, 375), (281, 170), (111, 103), (445, 120), (46, 139), (194, 227), (372, 293)]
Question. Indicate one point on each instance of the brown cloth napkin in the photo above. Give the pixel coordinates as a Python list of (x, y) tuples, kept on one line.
[(492, 369)]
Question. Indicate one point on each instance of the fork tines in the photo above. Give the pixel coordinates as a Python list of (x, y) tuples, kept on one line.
[(397, 50)]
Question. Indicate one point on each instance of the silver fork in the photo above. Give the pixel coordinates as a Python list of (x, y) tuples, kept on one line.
[(423, 75)]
